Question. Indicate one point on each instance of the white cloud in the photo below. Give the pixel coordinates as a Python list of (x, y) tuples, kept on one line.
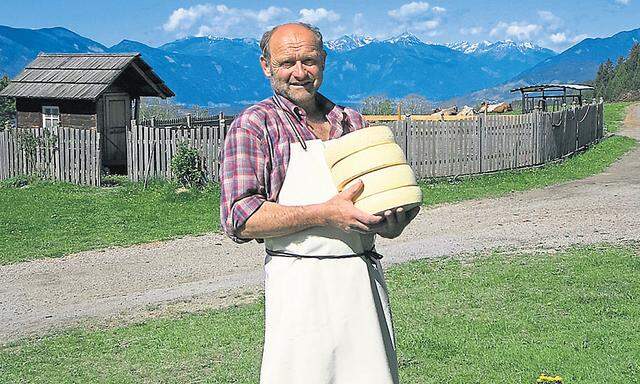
[(426, 25), (558, 38), (409, 10), (221, 20), (437, 9), (623, 2), (315, 16), (183, 18), (551, 21), (471, 31), (517, 30)]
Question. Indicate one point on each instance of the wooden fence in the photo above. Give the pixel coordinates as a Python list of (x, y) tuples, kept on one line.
[(490, 143), (63, 154), (485, 143), (150, 149), (187, 121)]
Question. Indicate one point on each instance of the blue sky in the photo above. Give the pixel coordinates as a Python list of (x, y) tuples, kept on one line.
[(554, 24)]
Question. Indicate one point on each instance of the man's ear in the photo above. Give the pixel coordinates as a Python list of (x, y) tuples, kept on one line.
[(266, 69)]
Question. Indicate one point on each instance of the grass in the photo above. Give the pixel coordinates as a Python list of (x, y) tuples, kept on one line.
[(47, 219), (502, 318), (54, 219), (614, 114), (593, 161)]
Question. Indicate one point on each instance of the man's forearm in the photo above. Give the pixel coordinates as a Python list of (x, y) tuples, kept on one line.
[(272, 220)]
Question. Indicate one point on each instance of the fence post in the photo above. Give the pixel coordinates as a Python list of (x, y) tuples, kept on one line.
[(479, 122), (153, 121), (407, 123), (221, 124)]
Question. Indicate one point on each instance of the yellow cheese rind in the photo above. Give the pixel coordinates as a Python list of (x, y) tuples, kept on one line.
[(384, 179), (353, 142), (406, 197), (365, 161)]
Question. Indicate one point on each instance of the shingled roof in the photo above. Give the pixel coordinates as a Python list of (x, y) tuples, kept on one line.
[(83, 76)]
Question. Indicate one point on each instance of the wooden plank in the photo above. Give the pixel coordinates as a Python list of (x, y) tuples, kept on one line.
[(217, 134), (98, 149), (157, 167)]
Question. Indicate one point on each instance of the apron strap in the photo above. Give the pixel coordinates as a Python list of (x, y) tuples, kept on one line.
[(372, 254), (286, 114)]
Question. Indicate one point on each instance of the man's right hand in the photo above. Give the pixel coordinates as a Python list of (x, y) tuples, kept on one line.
[(342, 214)]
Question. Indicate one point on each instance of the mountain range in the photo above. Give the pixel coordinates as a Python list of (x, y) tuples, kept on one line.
[(218, 71)]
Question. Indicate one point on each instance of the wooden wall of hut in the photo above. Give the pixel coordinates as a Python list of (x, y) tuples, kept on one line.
[(79, 114)]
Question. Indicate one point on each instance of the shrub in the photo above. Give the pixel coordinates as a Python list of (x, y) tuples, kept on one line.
[(187, 167)]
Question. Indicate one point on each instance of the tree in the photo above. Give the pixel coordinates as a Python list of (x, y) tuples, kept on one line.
[(621, 82), (604, 75), (378, 105), (7, 105)]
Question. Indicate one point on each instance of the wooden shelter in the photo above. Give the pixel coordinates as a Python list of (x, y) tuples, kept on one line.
[(551, 96), (95, 91)]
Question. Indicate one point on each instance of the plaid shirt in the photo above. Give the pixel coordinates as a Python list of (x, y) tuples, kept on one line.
[(255, 154)]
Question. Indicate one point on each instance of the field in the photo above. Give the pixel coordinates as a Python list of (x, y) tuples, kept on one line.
[(497, 318), (46, 219)]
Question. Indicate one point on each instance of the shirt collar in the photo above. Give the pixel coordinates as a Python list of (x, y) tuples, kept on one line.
[(335, 114)]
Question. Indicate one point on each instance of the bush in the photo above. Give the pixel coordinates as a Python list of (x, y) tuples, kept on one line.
[(187, 167)]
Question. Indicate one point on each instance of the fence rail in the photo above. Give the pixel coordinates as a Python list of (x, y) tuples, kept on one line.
[(188, 121), (63, 154)]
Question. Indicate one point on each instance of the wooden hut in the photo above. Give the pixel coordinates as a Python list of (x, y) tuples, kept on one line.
[(99, 91)]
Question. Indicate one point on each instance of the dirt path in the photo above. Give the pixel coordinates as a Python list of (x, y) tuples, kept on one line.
[(119, 285)]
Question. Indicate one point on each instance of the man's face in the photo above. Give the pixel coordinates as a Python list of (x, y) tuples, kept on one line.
[(296, 64)]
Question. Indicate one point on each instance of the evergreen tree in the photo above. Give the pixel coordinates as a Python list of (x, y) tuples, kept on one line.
[(7, 105)]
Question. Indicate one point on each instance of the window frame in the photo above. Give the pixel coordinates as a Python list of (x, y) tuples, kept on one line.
[(51, 116)]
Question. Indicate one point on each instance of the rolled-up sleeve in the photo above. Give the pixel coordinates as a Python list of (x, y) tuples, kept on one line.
[(242, 175)]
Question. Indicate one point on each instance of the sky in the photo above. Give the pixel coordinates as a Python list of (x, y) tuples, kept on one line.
[(554, 24)]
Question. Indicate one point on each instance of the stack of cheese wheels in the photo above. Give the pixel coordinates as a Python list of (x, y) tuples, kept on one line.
[(372, 155)]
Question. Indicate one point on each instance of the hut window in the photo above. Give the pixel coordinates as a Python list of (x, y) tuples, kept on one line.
[(50, 116)]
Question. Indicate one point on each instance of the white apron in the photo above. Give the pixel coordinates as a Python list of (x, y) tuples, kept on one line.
[(327, 318)]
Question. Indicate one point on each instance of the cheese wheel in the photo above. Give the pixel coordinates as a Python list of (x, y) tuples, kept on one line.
[(365, 161), (348, 144), (406, 197), (384, 179)]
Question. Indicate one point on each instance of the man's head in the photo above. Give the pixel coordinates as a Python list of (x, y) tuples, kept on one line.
[(293, 59)]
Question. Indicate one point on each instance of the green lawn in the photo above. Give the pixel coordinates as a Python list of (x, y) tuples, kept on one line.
[(614, 114), (53, 219), (48, 219), (502, 318)]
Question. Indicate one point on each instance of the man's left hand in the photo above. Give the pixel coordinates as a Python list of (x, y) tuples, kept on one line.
[(395, 221)]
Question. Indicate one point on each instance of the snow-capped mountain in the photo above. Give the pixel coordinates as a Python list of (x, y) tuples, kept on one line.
[(348, 42), (216, 70), (498, 47), (406, 38)]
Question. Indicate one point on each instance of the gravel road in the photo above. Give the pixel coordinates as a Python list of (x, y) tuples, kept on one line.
[(120, 285)]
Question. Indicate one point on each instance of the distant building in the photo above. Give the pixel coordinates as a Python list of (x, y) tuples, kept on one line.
[(99, 91)]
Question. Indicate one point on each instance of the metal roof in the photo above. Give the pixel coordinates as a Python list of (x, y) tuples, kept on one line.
[(81, 76), (553, 87)]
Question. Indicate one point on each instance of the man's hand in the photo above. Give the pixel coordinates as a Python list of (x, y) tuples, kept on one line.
[(341, 213), (395, 222)]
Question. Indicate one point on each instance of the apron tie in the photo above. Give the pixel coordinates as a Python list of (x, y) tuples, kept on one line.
[(371, 255)]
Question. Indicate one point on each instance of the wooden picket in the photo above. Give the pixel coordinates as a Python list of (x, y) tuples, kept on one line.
[(73, 156), (150, 149)]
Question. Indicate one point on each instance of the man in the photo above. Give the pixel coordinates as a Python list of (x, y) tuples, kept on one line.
[(327, 317)]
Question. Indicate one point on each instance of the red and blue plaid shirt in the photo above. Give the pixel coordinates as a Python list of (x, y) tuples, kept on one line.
[(255, 154)]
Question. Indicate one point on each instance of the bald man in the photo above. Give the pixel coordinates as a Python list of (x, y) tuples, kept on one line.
[(327, 316)]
